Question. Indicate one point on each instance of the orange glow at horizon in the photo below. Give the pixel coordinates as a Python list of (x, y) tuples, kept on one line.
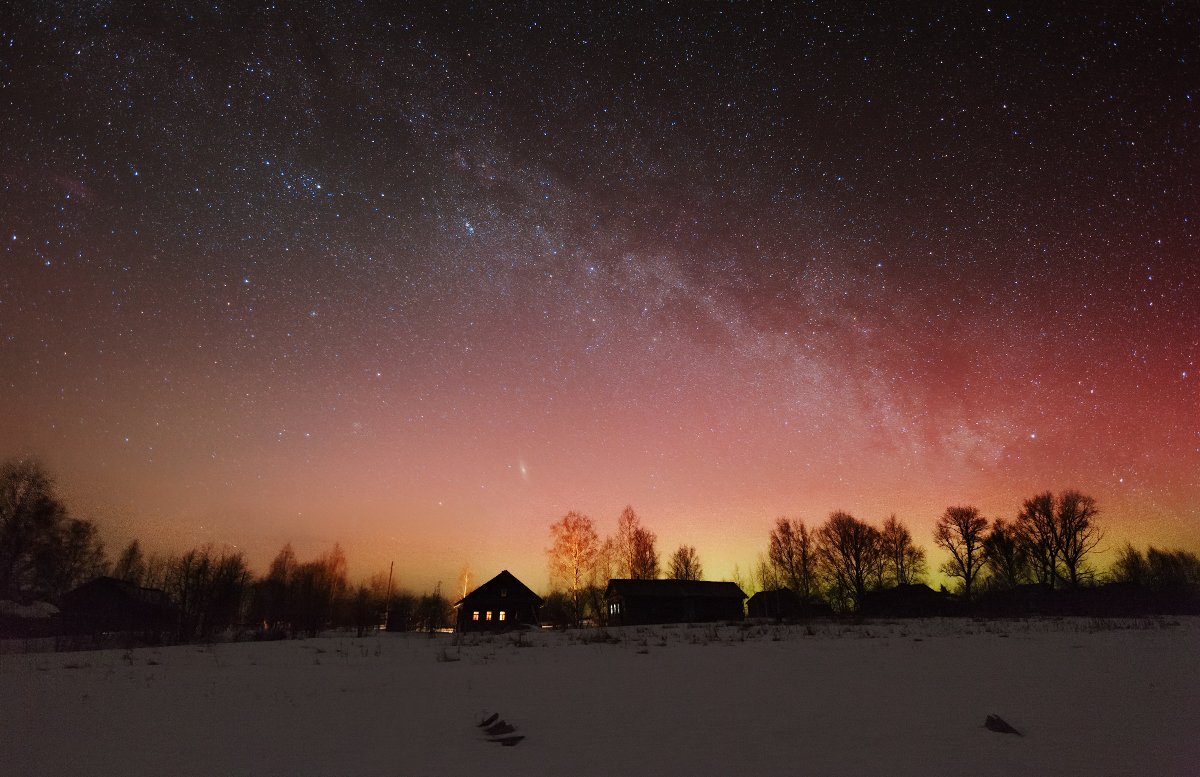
[(426, 302)]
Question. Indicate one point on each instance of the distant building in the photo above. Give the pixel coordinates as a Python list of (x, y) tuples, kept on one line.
[(107, 604), (502, 603), (635, 602), (912, 600), (784, 604)]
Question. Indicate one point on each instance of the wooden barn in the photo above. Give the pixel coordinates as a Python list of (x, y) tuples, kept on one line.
[(502, 603), (784, 604), (107, 604), (637, 602), (914, 600)]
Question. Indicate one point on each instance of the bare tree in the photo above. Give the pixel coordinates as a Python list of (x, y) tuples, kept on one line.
[(902, 562), (44, 551), (1057, 534), (960, 531), (637, 557), (1158, 570), (1038, 534), (131, 564), (685, 564), (792, 553), (765, 577), (1005, 555), (1130, 566), (464, 581), (208, 589), (1078, 534), (75, 557), (572, 555), (848, 550)]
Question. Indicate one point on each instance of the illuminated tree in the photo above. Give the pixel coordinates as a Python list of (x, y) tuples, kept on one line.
[(572, 556), (960, 531), (792, 555), (685, 564), (636, 555), (901, 561), (848, 550)]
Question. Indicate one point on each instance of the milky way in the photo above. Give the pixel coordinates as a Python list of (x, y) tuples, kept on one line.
[(421, 281)]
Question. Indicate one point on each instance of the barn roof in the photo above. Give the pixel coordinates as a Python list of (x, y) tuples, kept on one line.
[(505, 581), (675, 589)]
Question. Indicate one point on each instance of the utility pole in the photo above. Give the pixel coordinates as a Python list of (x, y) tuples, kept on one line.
[(387, 603)]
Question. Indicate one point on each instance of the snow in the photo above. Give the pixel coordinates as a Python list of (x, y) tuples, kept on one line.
[(32, 611), (901, 698)]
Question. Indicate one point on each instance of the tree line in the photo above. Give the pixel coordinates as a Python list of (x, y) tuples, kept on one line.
[(46, 552), (1049, 543)]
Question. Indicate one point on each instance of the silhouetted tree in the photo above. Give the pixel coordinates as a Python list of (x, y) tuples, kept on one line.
[(131, 564), (1130, 566), (75, 557), (365, 610), (433, 611), (1171, 569), (208, 590), (558, 610), (901, 561), (792, 554), (317, 590), (1035, 526), (1057, 534), (637, 558), (1158, 570), (685, 564), (765, 576), (271, 603), (1078, 535), (402, 611), (572, 556), (848, 550), (960, 531), (44, 552), (1005, 556)]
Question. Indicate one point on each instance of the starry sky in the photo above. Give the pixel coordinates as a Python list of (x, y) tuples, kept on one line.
[(420, 280)]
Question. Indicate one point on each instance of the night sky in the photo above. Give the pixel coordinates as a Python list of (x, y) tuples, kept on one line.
[(420, 281)]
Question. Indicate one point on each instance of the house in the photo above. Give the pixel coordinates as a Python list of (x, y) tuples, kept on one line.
[(784, 604), (910, 600), (634, 602), (502, 603), (108, 604)]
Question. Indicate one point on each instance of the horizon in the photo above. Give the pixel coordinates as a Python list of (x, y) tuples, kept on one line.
[(420, 281)]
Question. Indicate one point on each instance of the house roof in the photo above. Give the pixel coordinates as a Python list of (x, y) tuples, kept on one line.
[(777, 593), (116, 588), (674, 589), (507, 582)]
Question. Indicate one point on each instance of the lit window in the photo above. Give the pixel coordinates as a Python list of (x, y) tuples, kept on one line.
[(502, 615), (475, 615), (489, 614)]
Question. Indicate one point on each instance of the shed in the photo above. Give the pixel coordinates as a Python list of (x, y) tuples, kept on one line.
[(912, 600), (110, 604), (635, 602), (784, 604), (500, 604)]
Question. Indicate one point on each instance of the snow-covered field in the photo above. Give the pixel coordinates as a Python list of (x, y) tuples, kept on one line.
[(889, 698)]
